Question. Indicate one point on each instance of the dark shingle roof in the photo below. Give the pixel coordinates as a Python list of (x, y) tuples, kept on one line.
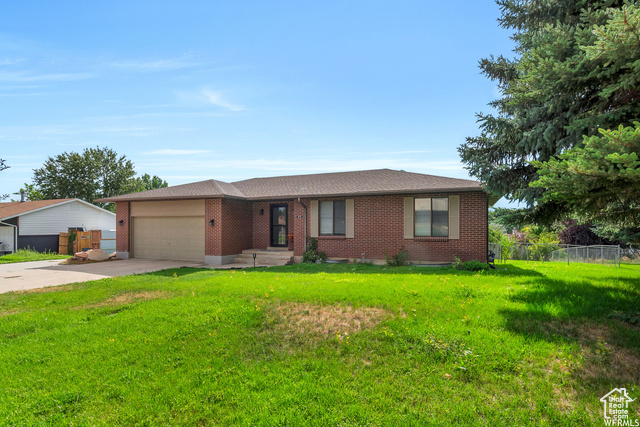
[(196, 190), (379, 181)]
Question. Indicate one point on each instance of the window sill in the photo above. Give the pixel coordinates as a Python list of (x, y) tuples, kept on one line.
[(332, 237), (431, 239)]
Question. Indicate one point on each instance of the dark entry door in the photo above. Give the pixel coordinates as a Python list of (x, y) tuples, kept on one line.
[(278, 225)]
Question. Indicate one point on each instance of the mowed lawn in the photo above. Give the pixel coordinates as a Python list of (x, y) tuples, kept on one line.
[(26, 255), (528, 344)]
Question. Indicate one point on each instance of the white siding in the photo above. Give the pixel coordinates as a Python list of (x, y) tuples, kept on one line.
[(59, 218)]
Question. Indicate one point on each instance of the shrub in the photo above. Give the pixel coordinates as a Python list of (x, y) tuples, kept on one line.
[(473, 265), (72, 238), (312, 255), (495, 235), (399, 259), (507, 247)]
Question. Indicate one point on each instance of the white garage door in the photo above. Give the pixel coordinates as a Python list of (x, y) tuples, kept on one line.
[(179, 237)]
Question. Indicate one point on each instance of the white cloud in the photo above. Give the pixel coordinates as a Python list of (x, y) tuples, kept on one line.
[(174, 152), (5, 95), (25, 76), (251, 168), (153, 65), (217, 99), (11, 61)]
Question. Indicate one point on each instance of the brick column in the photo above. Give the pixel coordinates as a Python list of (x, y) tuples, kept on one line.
[(299, 218), (122, 231), (212, 235)]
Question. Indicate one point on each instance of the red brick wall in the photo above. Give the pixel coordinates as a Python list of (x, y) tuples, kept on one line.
[(379, 229), (122, 233), (213, 235), (299, 231), (237, 226), (378, 223), (261, 223)]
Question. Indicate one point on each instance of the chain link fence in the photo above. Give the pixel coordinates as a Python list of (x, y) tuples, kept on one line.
[(557, 252)]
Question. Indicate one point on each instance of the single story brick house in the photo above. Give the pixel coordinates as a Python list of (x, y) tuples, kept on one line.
[(362, 214)]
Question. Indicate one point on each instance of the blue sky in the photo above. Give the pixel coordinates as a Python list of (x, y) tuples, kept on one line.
[(230, 90)]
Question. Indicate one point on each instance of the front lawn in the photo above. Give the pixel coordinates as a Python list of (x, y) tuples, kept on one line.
[(24, 255), (527, 344)]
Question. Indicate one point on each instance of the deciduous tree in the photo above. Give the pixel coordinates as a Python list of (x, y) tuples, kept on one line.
[(152, 183), (3, 166), (93, 174)]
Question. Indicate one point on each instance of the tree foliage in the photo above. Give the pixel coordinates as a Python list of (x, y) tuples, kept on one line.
[(95, 173), (599, 181), (582, 234), (3, 166), (576, 71), (31, 192), (509, 218), (152, 183)]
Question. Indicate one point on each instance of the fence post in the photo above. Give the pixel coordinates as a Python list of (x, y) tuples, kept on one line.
[(618, 256), (568, 255), (527, 246), (601, 255), (587, 254)]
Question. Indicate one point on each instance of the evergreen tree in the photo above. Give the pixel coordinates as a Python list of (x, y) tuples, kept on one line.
[(599, 181), (575, 71)]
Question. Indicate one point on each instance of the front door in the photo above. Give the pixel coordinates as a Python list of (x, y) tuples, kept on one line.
[(279, 225)]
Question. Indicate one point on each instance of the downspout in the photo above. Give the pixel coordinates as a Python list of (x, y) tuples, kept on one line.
[(486, 249), (15, 235), (305, 223)]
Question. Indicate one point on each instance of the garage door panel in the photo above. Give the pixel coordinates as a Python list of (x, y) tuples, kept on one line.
[(179, 238)]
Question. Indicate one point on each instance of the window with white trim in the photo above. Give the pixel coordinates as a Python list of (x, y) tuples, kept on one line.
[(332, 218), (431, 217)]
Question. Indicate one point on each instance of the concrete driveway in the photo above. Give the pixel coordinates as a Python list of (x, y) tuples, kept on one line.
[(40, 274)]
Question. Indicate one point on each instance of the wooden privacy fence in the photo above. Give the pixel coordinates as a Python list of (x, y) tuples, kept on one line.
[(84, 241)]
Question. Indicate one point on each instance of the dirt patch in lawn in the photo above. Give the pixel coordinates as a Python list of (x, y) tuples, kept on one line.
[(602, 357), (319, 320), (61, 288), (8, 312), (128, 298)]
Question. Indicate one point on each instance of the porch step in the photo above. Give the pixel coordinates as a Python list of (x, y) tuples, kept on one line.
[(265, 257)]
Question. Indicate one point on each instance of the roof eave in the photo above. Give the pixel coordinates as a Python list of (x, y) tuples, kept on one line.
[(296, 196), (157, 199), (371, 193)]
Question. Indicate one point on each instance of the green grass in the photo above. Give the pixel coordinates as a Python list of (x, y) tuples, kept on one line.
[(527, 344), (24, 255)]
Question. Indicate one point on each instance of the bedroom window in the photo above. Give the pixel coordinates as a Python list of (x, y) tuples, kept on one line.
[(333, 218), (431, 217)]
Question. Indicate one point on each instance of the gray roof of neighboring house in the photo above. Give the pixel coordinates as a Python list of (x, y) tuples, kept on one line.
[(370, 182)]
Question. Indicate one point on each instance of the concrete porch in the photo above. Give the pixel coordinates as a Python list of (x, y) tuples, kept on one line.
[(265, 257)]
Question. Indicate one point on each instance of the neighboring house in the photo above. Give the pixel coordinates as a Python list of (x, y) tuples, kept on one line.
[(37, 224), (365, 214)]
